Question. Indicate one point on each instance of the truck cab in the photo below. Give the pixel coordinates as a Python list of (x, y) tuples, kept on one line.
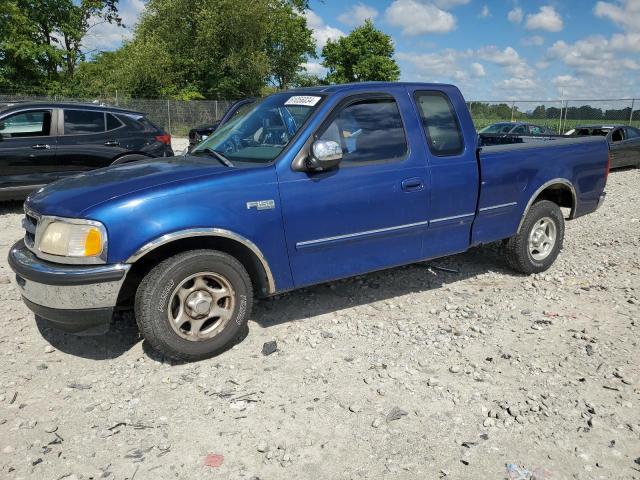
[(308, 186)]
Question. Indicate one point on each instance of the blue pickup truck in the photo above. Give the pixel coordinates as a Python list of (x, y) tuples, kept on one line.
[(308, 186)]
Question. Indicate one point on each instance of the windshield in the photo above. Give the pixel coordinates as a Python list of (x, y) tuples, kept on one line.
[(258, 134), (497, 128)]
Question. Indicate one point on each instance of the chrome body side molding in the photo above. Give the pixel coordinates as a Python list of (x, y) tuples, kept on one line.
[(319, 241), (495, 207), (207, 232)]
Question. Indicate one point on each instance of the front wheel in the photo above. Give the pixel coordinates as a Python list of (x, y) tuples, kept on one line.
[(194, 304), (537, 245)]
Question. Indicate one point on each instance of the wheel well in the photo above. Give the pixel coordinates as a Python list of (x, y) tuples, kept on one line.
[(234, 248), (560, 194)]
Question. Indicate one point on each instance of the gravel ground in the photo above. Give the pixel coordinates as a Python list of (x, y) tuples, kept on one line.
[(414, 372)]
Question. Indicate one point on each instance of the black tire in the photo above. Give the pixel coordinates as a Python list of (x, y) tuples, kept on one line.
[(156, 292), (516, 248)]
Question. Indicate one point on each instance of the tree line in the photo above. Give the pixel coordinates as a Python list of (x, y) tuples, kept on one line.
[(585, 112), (180, 49)]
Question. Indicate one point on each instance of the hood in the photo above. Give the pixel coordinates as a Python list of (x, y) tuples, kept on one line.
[(71, 196)]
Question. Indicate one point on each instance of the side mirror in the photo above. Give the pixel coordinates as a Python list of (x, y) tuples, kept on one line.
[(325, 155)]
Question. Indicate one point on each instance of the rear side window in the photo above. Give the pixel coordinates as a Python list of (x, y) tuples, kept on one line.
[(440, 124), (35, 123), (368, 130), (113, 122), (617, 135), (632, 132), (83, 121)]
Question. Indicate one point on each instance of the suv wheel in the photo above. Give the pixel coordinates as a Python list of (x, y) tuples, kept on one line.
[(194, 304), (536, 246)]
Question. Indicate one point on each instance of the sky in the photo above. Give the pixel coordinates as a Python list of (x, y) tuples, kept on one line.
[(491, 49)]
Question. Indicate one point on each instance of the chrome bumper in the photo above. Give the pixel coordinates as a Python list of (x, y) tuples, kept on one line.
[(66, 287)]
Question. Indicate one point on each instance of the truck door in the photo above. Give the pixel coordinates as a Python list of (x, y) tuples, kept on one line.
[(27, 149), (454, 170), (618, 148), (372, 211)]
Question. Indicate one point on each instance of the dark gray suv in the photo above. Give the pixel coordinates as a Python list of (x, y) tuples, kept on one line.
[(43, 142)]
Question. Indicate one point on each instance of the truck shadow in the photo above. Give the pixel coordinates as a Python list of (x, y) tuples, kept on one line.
[(302, 304), (380, 286)]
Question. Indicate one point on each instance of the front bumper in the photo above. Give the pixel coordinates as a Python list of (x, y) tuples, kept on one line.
[(75, 298)]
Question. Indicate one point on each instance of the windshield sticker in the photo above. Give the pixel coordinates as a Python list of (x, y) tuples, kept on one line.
[(306, 100)]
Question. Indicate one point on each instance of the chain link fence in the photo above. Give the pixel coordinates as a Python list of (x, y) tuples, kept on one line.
[(178, 116), (558, 115)]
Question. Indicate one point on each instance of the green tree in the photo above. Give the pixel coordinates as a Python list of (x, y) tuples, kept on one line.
[(365, 54), (42, 41), (214, 48)]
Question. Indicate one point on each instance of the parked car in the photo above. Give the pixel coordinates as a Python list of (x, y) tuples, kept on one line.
[(516, 128), (624, 142), (507, 133), (43, 142), (311, 185), (198, 134)]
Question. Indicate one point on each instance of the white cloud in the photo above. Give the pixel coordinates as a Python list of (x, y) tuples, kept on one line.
[(477, 69), (546, 19), (321, 32), (625, 14), (533, 41), (517, 84), (516, 15), (436, 67), (108, 36), (507, 57), (357, 14), (563, 81), (447, 4), (485, 12), (314, 68), (594, 56), (417, 18), (628, 42)]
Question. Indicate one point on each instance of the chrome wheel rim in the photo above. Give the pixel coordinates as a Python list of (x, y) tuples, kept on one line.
[(542, 238), (201, 306)]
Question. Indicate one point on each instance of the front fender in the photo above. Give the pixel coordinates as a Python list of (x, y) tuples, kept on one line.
[(136, 221)]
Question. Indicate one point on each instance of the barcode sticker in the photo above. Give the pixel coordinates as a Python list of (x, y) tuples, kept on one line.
[(306, 100)]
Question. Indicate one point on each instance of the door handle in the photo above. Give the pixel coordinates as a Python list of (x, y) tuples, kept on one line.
[(111, 143), (412, 184), (41, 146)]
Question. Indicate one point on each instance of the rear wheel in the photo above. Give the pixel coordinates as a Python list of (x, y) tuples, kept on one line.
[(537, 245), (194, 304)]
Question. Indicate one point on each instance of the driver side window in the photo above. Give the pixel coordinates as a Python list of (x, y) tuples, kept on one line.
[(34, 123), (368, 130)]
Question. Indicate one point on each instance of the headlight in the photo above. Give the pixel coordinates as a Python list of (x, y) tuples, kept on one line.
[(73, 238)]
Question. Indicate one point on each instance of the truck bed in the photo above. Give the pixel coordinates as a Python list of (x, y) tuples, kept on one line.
[(511, 174)]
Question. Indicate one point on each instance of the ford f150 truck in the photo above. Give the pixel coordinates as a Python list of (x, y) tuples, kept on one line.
[(310, 185)]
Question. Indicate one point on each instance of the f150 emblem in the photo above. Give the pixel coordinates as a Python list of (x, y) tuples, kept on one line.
[(262, 205)]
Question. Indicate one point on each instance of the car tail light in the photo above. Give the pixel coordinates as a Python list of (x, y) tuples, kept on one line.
[(164, 138), (606, 173)]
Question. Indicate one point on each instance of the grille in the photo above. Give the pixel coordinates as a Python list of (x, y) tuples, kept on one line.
[(30, 224)]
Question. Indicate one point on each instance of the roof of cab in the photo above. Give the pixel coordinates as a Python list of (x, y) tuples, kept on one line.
[(19, 105), (367, 86)]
